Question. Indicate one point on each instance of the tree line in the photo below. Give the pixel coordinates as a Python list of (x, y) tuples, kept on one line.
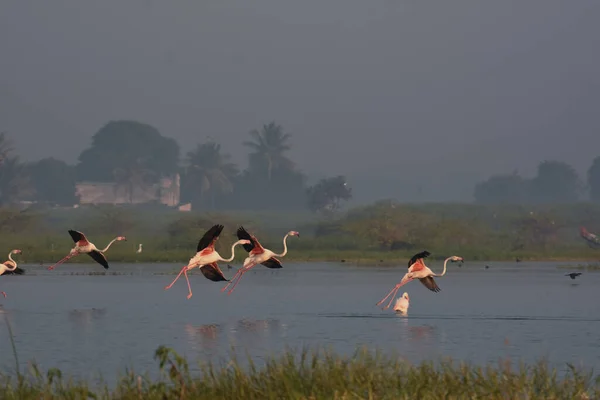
[(555, 182), (134, 155)]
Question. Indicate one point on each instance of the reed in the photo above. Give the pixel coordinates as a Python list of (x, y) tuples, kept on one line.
[(315, 374)]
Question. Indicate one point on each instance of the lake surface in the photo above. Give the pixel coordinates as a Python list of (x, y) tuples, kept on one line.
[(88, 325)]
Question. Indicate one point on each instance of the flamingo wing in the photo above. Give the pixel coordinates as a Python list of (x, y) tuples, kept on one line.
[(99, 258), (77, 236), (17, 271), (272, 263), (253, 245), (430, 284), (418, 256), (213, 272), (210, 237)]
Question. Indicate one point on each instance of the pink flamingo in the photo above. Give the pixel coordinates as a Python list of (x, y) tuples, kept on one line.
[(257, 255), (10, 267), (83, 245), (418, 270), (206, 258), (402, 304)]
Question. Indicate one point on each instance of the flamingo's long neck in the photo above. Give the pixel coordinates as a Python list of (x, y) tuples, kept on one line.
[(284, 246), (108, 245), (13, 262), (232, 252), (445, 262)]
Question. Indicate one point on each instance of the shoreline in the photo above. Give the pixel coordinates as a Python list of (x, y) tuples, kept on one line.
[(375, 259)]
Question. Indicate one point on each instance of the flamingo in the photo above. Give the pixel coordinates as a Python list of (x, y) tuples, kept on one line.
[(418, 270), (257, 255), (591, 239), (402, 304), (206, 258), (10, 267), (83, 245)]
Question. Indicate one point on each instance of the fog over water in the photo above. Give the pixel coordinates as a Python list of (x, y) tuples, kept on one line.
[(408, 99)]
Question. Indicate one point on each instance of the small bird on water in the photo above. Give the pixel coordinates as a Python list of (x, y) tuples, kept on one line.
[(573, 275), (402, 304)]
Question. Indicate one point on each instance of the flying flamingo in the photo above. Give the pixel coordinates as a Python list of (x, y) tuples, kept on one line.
[(418, 270), (257, 255), (10, 267), (402, 304), (591, 239), (82, 245), (206, 258)]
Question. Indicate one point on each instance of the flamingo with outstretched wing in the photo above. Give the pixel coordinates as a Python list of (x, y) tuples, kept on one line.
[(257, 254), (206, 258), (418, 270), (83, 245)]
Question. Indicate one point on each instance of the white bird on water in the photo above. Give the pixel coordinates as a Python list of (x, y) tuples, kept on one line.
[(402, 304), (139, 250)]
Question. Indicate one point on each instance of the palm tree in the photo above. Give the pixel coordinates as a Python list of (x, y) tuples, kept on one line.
[(269, 145), (209, 171)]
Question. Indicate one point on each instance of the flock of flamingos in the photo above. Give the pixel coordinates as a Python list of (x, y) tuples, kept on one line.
[(207, 258)]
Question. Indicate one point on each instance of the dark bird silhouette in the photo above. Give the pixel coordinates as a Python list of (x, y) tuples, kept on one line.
[(573, 275)]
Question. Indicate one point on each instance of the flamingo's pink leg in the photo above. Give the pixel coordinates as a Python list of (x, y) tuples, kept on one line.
[(3, 294), (178, 275), (239, 275), (188, 282), (62, 260), (403, 282), (392, 298), (388, 295)]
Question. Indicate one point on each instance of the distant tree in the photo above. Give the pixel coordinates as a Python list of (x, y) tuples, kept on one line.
[(208, 172), (268, 147), (271, 180), (502, 189), (327, 194), (556, 182), (14, 182), (53, 181), (130, 153), (593, 180)]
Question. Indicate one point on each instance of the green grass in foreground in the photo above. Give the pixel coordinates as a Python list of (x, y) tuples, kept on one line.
[(316, 375)]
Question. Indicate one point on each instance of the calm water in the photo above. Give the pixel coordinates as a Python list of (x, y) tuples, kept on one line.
[(87, 325)]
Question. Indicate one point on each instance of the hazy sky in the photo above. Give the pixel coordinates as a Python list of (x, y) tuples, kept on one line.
[(387, 92)]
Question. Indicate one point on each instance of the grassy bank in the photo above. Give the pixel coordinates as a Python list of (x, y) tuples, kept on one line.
[(314, 375), (383, 233)]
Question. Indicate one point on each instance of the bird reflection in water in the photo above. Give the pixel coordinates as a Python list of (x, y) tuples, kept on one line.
[(206, 335), (424, 332), (84, 317), (259, 325)]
